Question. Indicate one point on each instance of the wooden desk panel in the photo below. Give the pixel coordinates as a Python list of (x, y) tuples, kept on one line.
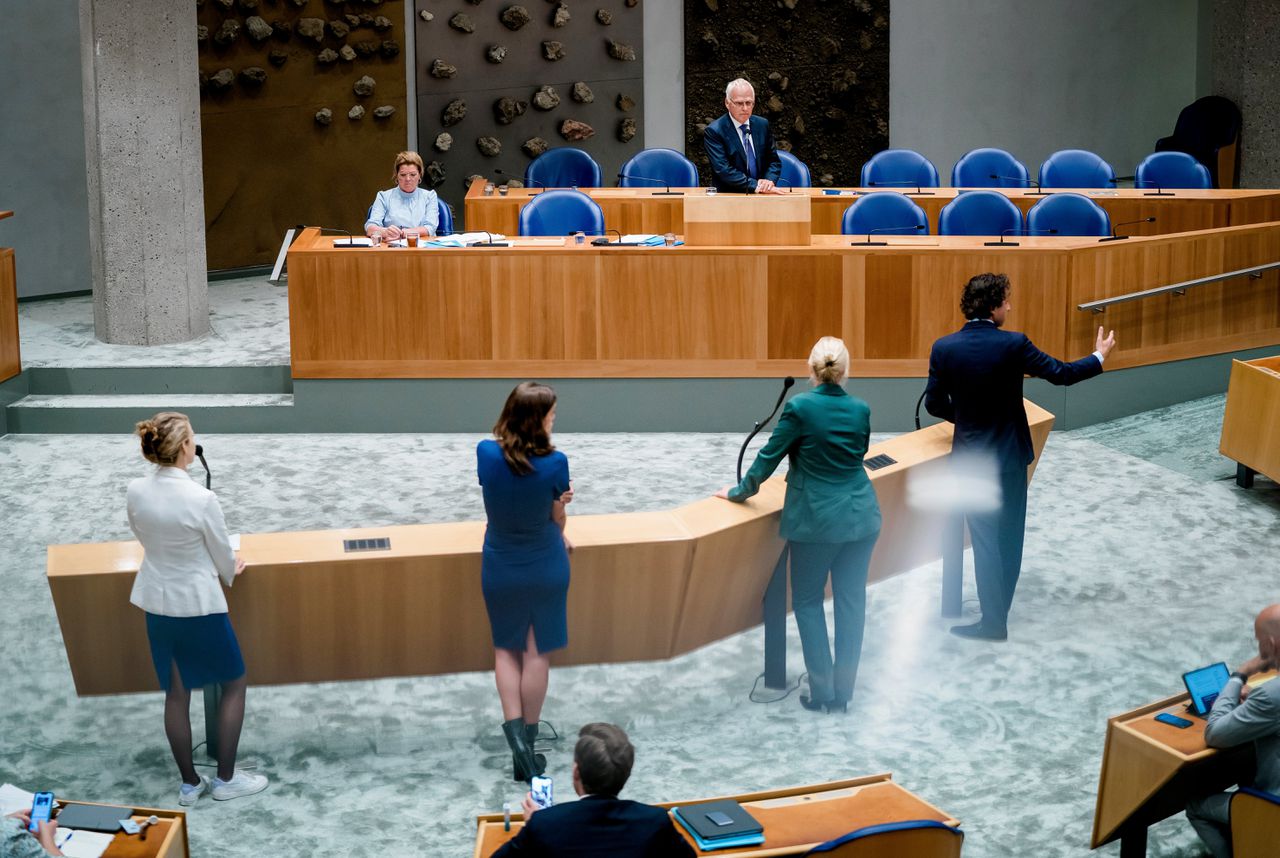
[(10, 343), (166, 839), (649, 585), (794, 820), (1251, 419)]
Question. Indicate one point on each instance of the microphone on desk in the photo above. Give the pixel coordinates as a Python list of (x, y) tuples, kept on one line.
[(527, 181), (1115, 237), (760, 424), (781, 181), (1038, 192), (603, 241), (667, 193), (491, 242), (351, 242), (1014, 230), (917, 192), (1158, 192), (208, 477), (869, 243)]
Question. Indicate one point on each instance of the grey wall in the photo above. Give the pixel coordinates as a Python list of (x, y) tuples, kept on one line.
[(663, 74), (1034, 77), (42, 147)]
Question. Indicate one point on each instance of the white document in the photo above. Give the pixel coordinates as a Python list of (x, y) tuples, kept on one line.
[(13, 799), (83, 844), (235, 541), (353, 242)]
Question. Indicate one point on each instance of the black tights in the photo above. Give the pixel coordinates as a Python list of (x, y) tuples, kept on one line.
[(177, 725)]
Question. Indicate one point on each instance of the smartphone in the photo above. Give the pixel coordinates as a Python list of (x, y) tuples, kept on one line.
[(41, 811), (1174, 720), (540, 789)]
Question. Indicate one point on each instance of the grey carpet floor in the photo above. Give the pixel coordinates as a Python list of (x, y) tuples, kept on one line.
[(1143, 559)]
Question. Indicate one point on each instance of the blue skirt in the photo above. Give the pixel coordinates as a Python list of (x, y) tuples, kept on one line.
[(205, 649)]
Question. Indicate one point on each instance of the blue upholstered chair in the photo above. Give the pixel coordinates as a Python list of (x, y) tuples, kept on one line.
[(1069, 214), (882, 210), (975, 169), (560, 213), (918, 838), (1208, 129), (663, 165), (1171, 170), (795, 173), (1076, 168), (564, 167), (1255, 817), (445, 226), (980, 213), (899, 168)]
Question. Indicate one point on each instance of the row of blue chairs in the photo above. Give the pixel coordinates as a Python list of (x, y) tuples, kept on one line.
[(559, 212), (566, 167)]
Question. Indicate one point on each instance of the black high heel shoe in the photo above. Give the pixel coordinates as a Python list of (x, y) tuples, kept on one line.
[(815, 705)]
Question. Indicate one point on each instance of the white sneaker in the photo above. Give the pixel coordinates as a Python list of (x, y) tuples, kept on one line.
[(242, 783), (188, 793)]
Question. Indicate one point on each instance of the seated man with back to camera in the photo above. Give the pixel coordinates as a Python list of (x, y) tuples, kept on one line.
[(740, 146), (1242, 714), (599, 823)]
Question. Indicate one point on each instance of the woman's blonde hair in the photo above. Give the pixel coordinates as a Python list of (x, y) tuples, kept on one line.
[(408, 158), (163, 437), (829, 361)]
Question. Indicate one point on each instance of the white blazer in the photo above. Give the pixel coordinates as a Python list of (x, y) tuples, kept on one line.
[(185, 546)]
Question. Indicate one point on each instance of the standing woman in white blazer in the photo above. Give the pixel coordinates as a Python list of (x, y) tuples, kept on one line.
[(186, 550)]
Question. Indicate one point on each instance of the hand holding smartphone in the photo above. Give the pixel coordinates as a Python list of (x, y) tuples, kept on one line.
[(41, 811), (540, 789)]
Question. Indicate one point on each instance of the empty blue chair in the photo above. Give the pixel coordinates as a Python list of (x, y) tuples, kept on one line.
[(980, 213), (1076, 168), (975, 169), (1171, 170), (445, 226), (662, 165), (919, 838), (564, 167), (795, 173), (1069, 214), (892, 213), (899, 168), (560, 213)]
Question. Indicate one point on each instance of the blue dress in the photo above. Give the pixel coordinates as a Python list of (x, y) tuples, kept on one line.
[(524, 571)]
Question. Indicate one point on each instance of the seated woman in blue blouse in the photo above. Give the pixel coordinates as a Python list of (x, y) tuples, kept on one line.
[(405, 209)]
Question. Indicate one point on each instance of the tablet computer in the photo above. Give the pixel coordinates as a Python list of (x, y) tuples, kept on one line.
[(1204, 684)]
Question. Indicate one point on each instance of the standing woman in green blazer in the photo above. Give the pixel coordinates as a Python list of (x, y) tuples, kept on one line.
[(830, 518)]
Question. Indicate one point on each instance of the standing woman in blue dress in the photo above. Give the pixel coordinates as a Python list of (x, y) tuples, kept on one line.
[(185, 551), (830, 519), (525, 564), (405, 209)]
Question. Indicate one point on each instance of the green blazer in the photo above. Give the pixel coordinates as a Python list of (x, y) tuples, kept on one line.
[(829, 496)]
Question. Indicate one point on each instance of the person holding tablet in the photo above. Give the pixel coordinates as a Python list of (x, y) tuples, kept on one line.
[(405, 209), (186, 550)]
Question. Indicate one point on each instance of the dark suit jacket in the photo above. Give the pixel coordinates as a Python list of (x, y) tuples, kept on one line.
[(729, 159), (975, 382), (829, 496), (599, 825)]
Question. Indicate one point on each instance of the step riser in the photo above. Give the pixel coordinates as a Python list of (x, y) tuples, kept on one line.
[(93, 421), (87, 381)]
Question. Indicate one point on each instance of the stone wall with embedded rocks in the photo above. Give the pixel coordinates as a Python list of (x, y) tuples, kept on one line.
[(302, 114), (501, 81), (820, 70)]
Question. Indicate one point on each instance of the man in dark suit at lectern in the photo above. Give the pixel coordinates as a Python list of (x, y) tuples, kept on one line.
[(599, 823), (975, 382), (743, 156)]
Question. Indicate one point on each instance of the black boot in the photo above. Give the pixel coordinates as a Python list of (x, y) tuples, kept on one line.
[(521, 754), (531, 739)]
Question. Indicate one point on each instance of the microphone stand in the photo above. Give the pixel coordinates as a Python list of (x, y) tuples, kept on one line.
[(351, 241), (1010, 230), (1038, 192), (918, 192), (760, 424), (667, 193), (1114, 237), (491, 242), (502, 172), (208, 476), (869, 243)]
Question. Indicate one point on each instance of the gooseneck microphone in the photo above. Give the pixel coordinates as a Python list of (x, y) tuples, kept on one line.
[(760, 424), (1115, 237), (1158, 192), (491, 242), (1038, 192), (918, 192), (603, 241), (526, 181), (351, 242), (1013, 230), (667, 193), (208, 477), (869, 243)]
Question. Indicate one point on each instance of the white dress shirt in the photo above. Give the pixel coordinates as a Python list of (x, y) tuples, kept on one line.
[(185, 546), (393, 207)]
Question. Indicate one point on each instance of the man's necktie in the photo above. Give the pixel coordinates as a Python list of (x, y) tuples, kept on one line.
[(751, 150)]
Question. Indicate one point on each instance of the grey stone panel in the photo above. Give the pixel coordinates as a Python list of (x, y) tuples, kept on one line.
[(1246, 69)]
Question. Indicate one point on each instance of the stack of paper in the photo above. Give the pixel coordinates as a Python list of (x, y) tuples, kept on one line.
[(643, 239)]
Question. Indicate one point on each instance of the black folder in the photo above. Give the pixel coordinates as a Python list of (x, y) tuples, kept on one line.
[(695, 816), (92, 817)]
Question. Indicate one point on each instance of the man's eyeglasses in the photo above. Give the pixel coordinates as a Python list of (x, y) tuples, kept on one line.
[(744, 103)]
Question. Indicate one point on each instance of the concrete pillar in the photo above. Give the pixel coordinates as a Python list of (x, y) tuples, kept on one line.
[(143, 159), (1246, 69)]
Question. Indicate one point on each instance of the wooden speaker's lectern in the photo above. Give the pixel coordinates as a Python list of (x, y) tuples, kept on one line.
[(738, 220)]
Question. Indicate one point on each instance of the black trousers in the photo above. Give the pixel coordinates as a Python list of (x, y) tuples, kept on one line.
[(997, 538)]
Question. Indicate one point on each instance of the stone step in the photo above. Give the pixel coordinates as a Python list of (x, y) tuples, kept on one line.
[(92, 414), (75, 381)]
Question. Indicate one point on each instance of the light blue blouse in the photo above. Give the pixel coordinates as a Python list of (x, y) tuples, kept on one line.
[(393, 207)]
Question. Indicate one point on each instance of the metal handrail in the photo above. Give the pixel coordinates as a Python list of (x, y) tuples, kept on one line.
[(1176, 288)]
